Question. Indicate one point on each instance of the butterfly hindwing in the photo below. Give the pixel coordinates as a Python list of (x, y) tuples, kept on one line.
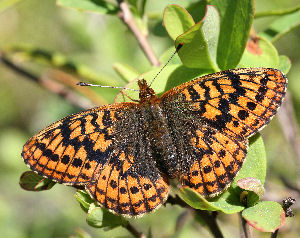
[(211, 118), (99, 149)]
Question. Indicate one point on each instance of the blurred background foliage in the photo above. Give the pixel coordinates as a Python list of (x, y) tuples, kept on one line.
[(100, 41)]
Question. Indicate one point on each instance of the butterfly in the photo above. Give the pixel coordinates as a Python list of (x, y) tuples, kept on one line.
[(124, 154)]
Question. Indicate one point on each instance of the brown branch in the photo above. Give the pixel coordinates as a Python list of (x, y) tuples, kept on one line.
[(126, 16), (289, 125), (46, 83)]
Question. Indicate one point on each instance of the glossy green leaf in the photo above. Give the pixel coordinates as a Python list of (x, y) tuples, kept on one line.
[(125, 71), (284, 64), (236, 20), (229, 201), (255, 165), (101, 218), (281, 26), (167, 54), (260, 53), (4, 4), (211, 30), (196, 50), (84, 199), (197, 9), (265, 216), (31, 181), (97, 6), (176, 20)]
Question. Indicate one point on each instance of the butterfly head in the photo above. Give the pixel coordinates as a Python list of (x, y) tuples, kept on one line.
[(147, 94)]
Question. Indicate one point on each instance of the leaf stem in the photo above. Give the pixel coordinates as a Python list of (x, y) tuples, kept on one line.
[(274, 234), (277, 12), (133, 231), (211, 222), (209, 218), (246, 232), (126, 16)]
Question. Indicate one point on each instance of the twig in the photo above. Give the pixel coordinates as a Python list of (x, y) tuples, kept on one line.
[(50, 85), (274, 234), (209, 218), (289, 126), (134, 232), (246, 232), (211, 222), (126, 16)]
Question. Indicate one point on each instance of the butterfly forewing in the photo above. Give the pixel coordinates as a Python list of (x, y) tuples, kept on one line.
[(212, 117), (101, 149)]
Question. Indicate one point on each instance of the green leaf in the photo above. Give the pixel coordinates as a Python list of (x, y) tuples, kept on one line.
[(177, 20), (197, 9), (260, 53), (252, 184), (266, 216), (211, 30), (281, 26), (125, 71), (255, 188), (229, 201), (236, 21), (172, 76), (196, 51), (255, 165), (4, 4), (101, 218), (31, 181), (284, 64), (167, 54), (277, 12), (97, 6), (84, 199)]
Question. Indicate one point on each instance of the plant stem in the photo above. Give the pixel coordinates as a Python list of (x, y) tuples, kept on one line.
[(211, 222), (274, 234), (209, 218), (246, 232), (134, 232), (126, 16)]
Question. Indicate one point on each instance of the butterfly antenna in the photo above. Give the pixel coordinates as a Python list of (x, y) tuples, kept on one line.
[(175, 52), (103, 86)]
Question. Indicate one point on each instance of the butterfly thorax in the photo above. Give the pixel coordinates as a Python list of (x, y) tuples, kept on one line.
[(158, 132)]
